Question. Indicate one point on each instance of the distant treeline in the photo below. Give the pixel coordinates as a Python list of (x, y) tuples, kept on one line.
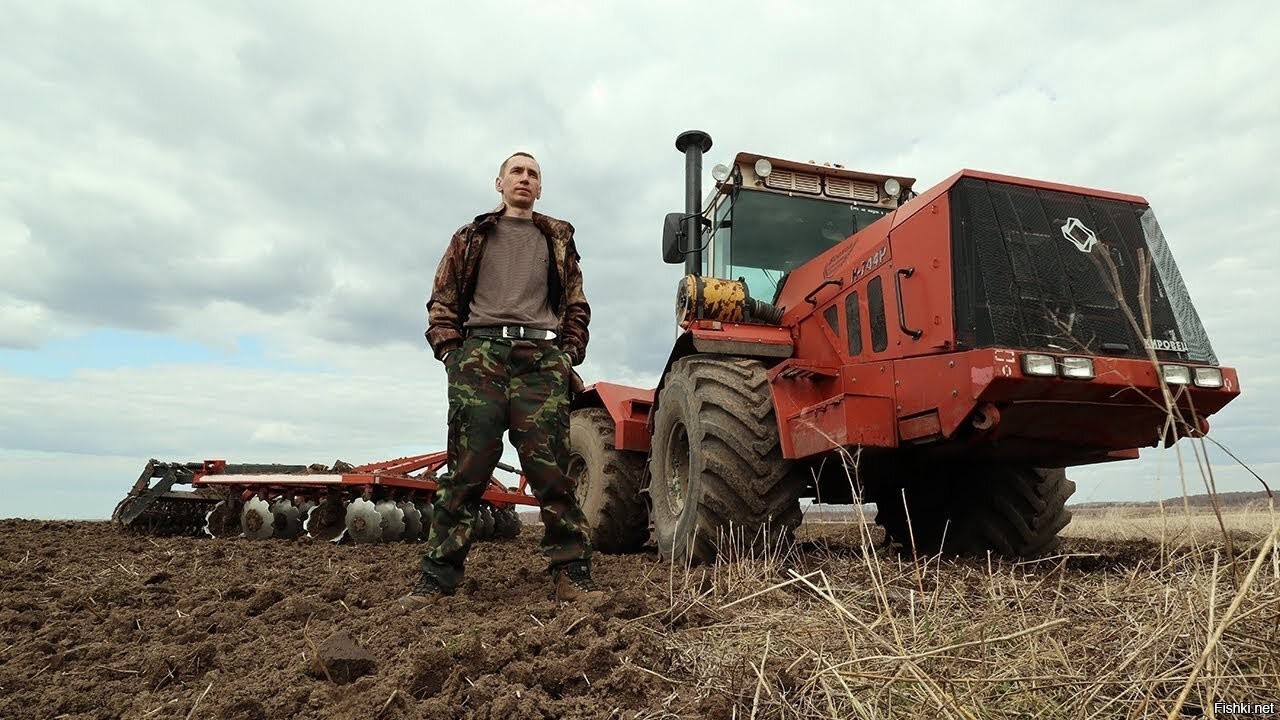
[(1226, 499)]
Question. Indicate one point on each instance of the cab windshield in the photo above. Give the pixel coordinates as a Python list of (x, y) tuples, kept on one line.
[(770, 234)]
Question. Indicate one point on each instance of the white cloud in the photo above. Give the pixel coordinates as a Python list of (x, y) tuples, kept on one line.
[(289, 173)]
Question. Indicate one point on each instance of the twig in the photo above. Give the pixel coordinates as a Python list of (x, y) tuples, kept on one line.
[(193, 707), (760, 683), (316, 662), (157, 709), (387, 704), (983, 641), (771, 588), (119, 670), (655, 674), (1056, 557), (1226, 620)]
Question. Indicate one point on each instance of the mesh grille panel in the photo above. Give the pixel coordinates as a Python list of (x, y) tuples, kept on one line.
[(1038, 269)]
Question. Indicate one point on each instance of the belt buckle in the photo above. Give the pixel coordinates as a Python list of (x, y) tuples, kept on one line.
[(518, 335)]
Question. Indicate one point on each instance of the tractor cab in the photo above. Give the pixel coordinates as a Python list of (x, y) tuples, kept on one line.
[(767, 216)]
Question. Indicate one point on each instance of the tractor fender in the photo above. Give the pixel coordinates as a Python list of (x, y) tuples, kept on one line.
[(632, 408), (683, 346), (768, 342), (628, 407)]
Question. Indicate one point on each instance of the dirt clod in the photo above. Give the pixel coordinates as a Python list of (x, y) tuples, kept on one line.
[(341, 660)]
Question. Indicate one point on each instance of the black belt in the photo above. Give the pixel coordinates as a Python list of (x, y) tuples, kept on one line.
[(513, 332)]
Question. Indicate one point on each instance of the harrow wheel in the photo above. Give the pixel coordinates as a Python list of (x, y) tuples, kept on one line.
[(392, 520), (223, 521), (716, 464), (428, 510), (412, 520), (256, 520), (506, 523), (286, 519), (482, 523), (325, 521), (363, 521)]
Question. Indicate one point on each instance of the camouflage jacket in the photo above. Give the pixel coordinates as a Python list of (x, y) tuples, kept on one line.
[(455, 284)]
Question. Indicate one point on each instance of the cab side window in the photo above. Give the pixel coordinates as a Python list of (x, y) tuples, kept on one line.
[(853, 318), (875, 312)]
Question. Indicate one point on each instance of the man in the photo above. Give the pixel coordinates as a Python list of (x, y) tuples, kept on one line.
[(508, 317)]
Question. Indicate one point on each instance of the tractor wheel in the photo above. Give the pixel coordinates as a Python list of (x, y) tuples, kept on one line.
[(1011, 510), (716, 464), (608, 483)]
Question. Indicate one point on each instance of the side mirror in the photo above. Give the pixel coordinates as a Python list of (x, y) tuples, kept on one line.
[(673, 236)]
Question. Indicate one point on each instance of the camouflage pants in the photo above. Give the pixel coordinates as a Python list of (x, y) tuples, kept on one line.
[(521, 387)]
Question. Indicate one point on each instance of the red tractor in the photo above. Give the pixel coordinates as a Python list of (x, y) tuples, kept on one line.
[(944, 355)]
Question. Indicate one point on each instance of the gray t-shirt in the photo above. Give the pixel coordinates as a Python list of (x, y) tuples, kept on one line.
[(511, 288)]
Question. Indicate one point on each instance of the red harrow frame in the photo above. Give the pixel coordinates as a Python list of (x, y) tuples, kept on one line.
[(375, 502)]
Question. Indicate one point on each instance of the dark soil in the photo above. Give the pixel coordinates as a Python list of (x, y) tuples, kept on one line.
[(97, 623)]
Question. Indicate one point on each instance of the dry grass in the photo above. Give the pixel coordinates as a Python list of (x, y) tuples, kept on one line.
[(843, 629), (1172, 526)]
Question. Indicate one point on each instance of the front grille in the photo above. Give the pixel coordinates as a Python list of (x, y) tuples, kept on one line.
[(794, 181), (1038, 269), (852, 189)]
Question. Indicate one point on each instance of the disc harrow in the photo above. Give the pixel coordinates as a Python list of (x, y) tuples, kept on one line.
[(378, 502)]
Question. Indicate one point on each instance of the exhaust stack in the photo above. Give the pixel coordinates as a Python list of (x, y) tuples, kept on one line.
[(693, 143)]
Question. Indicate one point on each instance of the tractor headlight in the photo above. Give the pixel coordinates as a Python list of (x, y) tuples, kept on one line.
[(763, 168), (1080, 368), (1037, 364), (1209, 377), (720, 172), (892, 187), (1176, 374)]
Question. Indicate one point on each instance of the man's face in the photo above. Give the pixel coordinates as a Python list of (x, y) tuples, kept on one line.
[(520, 182)]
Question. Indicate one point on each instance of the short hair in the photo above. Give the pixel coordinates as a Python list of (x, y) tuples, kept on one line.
[(503, 167)]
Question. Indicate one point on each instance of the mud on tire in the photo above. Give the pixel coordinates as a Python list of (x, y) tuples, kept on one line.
[(608, 483), (716, 460), (1011, 510)]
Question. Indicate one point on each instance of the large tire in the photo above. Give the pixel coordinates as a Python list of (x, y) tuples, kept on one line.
[(1011, 510), (608, 483), (716, 461)]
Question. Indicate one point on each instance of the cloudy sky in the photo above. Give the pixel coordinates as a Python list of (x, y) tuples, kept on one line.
[(219, 221)]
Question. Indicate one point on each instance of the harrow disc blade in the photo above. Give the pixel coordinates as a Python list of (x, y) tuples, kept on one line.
[(427, 509), (286, 519), (511, 523), (484, 523), (325, 521), (412, 520), (392, 520), (223, 521), (364, 522), (256, 522)]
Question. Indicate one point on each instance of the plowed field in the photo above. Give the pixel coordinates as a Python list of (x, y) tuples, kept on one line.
[(96, 623)]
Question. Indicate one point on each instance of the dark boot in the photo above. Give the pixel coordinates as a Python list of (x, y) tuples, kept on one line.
[(425, 593), (573, 583)]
